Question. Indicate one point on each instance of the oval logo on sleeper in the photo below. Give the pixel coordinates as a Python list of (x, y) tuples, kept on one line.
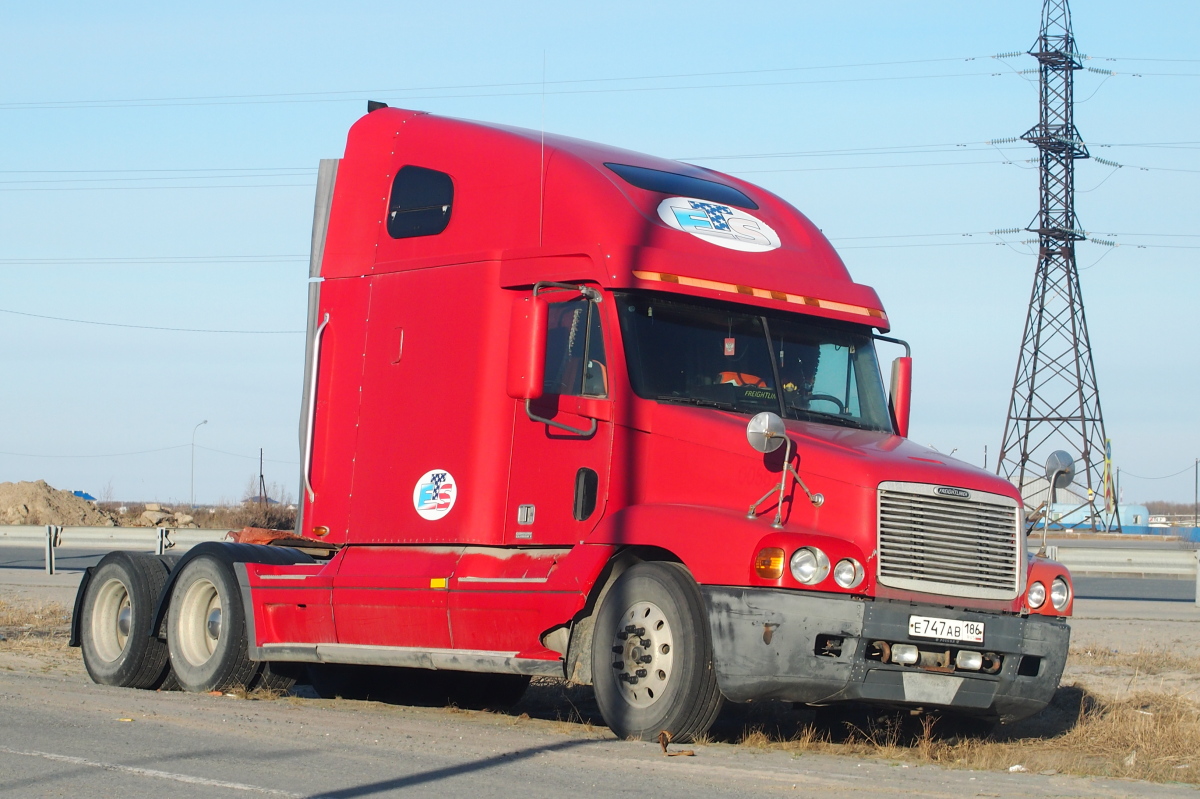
[(434, 494), (718, 224)]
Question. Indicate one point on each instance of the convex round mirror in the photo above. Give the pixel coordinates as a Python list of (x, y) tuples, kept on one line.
[(1060, 468), (766, 432)]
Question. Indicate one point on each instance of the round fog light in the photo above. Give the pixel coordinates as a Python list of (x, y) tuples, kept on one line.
[(1036, 596), (848, 573), (968, 660), (809, 565), (1060, 593)]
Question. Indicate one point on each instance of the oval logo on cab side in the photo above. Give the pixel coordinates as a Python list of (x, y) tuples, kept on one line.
[(947, 491), (434, 494), (718, 224)]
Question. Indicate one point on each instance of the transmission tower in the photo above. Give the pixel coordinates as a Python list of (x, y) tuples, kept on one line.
[(1055, 402)]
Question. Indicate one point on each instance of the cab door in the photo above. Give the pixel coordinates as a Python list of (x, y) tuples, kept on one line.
[(562, 442)]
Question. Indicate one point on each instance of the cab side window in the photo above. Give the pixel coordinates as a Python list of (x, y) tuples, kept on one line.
[(575, 361), (420, 203)]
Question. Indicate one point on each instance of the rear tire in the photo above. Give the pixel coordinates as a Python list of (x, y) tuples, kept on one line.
[(206, 629), (652, 662), (278, 676), (117, 612)]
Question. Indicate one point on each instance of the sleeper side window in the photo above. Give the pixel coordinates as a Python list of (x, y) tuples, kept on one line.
[(575, 362), (420, 203)]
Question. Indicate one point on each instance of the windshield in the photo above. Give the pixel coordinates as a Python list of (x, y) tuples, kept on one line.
[(732, 357)]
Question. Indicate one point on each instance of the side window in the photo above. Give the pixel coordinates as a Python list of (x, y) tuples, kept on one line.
[(420, 203), (575, 362)]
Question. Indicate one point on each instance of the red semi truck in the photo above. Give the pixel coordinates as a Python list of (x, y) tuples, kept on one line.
[(572, 410)]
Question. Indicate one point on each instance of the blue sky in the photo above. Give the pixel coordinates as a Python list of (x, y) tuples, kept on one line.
[(95, 95)]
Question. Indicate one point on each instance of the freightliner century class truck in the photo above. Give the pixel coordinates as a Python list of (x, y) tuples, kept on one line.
[(571, 410)]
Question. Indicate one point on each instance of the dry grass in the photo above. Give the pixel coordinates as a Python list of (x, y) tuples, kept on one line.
[(1138, 663), (33, 627), (1146, 736), (262, 693)]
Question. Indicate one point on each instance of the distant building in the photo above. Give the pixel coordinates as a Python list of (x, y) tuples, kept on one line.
[(259, 501)]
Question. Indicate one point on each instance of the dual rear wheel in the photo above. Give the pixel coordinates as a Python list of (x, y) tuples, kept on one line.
[(205, 647), (114, 628)]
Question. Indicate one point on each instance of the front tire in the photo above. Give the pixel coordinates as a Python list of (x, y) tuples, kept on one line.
[(206, 629), (652, 662), (117, 612)]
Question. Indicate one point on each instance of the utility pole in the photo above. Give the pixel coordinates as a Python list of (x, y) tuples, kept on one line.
[(262, 483), (1055, 403), (193, 481)]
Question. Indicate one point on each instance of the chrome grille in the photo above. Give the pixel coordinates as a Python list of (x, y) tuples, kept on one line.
[(955, 546)]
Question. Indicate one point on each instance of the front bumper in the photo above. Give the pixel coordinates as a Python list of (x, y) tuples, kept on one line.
[(818, 649)]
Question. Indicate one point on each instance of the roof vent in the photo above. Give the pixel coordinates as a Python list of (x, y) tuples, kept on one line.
[(375, 105)]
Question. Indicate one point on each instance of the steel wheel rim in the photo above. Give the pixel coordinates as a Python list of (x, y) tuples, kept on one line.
[(201, 604), (109, 635), (643, 654)]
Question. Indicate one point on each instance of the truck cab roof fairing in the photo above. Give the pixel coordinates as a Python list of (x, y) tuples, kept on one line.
[(514, 199)]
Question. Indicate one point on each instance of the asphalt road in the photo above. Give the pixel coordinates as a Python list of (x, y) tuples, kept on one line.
[(62, 736)]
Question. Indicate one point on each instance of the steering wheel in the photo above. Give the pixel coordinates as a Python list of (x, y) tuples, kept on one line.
[(828, 398)]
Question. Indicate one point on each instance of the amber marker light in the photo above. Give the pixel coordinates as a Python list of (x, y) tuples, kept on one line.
[(320, 532), (769, 563)]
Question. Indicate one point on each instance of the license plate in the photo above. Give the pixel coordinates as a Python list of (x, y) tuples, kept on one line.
[(945, 629)]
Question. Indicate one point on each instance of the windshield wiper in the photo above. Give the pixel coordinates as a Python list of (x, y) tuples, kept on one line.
[(697, 401), (833, 418)]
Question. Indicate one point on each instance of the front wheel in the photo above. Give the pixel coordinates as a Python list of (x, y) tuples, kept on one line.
[(652, 662)]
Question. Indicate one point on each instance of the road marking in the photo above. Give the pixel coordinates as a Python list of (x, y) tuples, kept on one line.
[(147, 772)]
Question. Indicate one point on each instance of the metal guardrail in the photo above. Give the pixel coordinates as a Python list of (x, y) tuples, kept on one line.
[(1181, 563), (1177, 562), (52, 537)]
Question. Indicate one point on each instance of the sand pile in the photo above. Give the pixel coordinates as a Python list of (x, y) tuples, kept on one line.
[(39, 503)]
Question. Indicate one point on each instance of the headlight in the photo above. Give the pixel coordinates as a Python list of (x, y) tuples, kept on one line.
[(1060, 593), (848, 573), (809, 565), (1036, 597)]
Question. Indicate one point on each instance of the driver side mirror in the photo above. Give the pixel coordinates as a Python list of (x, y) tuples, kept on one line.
[(900, 401), (527, 348)]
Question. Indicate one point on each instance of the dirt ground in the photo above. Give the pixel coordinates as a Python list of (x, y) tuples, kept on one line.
[(1129, 705)]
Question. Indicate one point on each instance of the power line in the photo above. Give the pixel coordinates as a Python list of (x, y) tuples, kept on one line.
[(872, 166), (341, 95), (146, 452), (151, 327), (535, 93), (1164, 477), (247, 457), (127, 171), (159, 188), (353, 95), (247, 175), (166, 259), (108, 455)]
